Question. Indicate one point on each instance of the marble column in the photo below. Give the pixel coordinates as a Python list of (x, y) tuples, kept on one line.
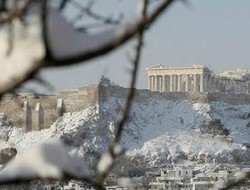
[(160, 84), (163, 83), (187, 84), (195, 83), (151, 83), (167, 77), (202, 83), (171, 84), (156, 83), (178, 83), (175, 83)]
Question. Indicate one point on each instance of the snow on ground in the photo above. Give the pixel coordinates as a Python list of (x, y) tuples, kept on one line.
[(157, 130), (235, 118), (236, 74)]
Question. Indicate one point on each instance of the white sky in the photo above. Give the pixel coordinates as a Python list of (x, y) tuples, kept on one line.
[(213, 33)]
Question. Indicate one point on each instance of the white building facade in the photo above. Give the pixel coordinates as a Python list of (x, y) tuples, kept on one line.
[(193, 79)]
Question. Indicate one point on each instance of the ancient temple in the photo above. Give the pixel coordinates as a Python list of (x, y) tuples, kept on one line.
[(195, 79)]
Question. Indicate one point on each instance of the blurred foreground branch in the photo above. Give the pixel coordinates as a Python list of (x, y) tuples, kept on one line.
[(106, 161), (50, 61)]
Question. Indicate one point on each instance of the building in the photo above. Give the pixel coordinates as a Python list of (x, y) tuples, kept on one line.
[(173, 177), (196, 79), (202, 183)]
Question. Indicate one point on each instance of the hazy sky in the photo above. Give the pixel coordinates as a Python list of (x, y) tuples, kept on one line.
[(215, 33)]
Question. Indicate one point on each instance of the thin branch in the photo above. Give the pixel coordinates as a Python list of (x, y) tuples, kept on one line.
[(125, 115), (139, 31), (49, 62), (87, 11), (17, 13), (148, 21), (63, 4), (3, 7), (237, 183)]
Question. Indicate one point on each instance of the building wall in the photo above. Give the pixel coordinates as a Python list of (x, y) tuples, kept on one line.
[(142, 95), (36, 112), (197, 79)]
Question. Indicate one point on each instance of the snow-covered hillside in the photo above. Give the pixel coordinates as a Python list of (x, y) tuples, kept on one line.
[(158, 131)]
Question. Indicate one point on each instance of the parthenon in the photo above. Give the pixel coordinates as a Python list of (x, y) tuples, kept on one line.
[(194, 79)]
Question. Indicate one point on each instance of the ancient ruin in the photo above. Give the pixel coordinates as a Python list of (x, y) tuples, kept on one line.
[(196, 79), (31, 111)]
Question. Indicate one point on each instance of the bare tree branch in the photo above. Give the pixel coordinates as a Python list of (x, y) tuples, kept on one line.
[(50, 62), (63, 4), (3, 7), (120, 124), (17, 13), (148, 21), (87, 10), (237, 183), (126, 111)]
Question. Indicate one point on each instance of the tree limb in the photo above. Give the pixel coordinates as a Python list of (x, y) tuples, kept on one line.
[(85, 56)]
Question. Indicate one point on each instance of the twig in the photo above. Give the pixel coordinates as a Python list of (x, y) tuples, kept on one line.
[(17, 13), (148, 21), (237, 183), (121, 123), (88, 11), (50, 62)]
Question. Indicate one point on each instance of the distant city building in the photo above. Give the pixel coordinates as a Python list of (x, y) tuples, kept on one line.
[(197, 79)]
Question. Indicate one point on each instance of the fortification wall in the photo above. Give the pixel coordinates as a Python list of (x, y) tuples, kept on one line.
[(142, 95), (36, 112)]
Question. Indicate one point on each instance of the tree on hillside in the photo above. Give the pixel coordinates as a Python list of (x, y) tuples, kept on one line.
[(36, 34)]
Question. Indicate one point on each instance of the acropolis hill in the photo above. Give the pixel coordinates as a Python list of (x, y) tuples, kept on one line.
[(196, 84)]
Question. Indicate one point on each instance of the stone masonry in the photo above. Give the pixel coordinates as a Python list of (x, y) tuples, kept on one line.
[(35, 112), (193, 79)]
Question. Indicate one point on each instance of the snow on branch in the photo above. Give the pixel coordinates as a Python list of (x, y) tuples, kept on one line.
[(107, 160), (53, 42), (45, 161), (21, 51), (87, 47), (65, 42)]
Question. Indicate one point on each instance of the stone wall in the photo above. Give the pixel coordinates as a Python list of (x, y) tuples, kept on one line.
[(197, 79), (36, 112), (142, 95)]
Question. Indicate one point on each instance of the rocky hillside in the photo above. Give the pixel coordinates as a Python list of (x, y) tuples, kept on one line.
[(158, 131)]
